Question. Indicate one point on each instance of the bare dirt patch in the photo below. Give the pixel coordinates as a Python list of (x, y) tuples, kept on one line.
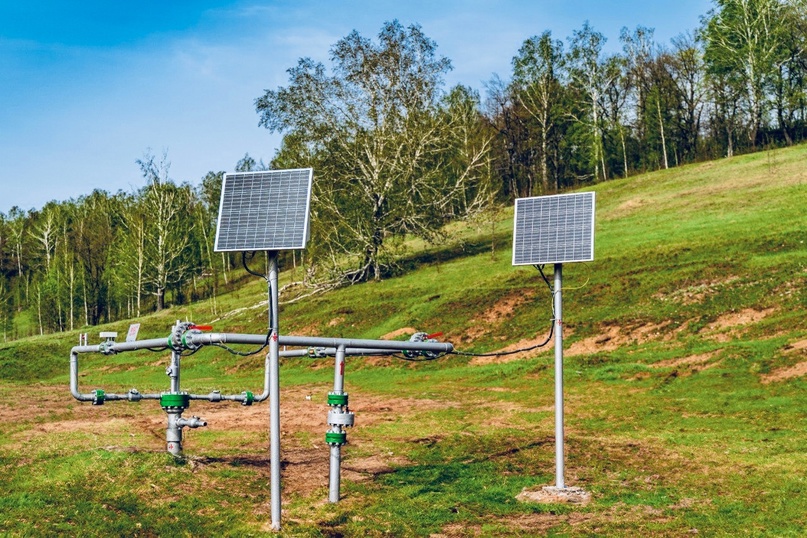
[(554, 495), (613, 337), (692, 360), (496, 315), (727, 327), (783, 374), (736, 319), (403, 331), (505, 307), (796, 347)]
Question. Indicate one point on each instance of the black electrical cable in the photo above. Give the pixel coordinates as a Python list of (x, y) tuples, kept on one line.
[(250, 271), (522, 350), (269, 304), (191, 353), (241, 353)]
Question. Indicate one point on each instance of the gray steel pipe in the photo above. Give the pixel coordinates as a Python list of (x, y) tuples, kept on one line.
[(558, 308), (334, 480), (352, 345), (274, 395), (315, 341), (132, 396)]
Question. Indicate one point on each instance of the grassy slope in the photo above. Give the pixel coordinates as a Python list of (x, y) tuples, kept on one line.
[(664, 445)]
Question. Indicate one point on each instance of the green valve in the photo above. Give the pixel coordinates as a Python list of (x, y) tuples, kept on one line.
[(175, 400), (249, 398), (334, 438), (337, 399), (100, 396)]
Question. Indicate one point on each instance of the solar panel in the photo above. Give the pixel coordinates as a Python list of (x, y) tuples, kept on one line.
[(264, 210), (554, 229)]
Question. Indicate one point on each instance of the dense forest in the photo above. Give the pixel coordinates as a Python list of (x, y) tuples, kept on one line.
[(397, 154)]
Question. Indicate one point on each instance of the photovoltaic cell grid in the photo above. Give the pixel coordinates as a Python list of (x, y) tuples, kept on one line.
[(264, 210), (554, 229)]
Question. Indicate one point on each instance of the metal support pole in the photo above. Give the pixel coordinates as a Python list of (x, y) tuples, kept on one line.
[(274, 394), (336, 449), (558, 308)]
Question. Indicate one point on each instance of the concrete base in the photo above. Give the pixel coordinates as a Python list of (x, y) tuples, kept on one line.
[(555, 495)]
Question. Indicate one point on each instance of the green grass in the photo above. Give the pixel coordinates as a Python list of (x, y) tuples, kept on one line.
[(672, 430)]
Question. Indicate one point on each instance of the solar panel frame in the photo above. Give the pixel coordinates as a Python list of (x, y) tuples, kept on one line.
[(554, 229), (265, 210)]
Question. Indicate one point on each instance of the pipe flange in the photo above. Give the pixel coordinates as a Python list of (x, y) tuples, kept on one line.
[(187, 344), (336, 418), (336, 438), (175, 401), (337, 398)]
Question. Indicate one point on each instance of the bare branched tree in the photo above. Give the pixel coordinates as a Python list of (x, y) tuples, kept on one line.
[(393, 154)]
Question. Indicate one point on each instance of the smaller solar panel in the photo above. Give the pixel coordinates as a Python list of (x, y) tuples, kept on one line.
[(554, 229), (264, 210)]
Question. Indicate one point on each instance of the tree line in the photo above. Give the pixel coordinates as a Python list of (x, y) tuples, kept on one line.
[(396, 155), (571, 114)]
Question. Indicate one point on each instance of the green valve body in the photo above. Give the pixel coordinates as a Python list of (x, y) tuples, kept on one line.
[(100, 396), (181, 401)]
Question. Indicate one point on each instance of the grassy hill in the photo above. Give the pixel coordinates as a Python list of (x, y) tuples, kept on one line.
[(686, 353)]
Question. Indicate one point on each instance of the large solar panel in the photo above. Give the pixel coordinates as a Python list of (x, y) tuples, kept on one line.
[(264, 210), (554, 229)]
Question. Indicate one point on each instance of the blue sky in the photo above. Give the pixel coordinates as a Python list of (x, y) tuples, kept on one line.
[(88, 87)]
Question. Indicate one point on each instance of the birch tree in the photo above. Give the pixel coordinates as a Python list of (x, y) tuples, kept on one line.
[(536, 71), (745, 38), (383, 139), (587, 74), (168, 239)]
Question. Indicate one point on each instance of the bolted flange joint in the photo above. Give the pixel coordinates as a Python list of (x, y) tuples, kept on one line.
[(336, 438), (340, 418), (175, 401), (337, 398), (98, 397), (249, 398)]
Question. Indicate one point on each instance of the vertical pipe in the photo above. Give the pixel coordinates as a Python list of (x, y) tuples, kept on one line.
[(334, 483), (173, 372), (339, 370), (336, 450), (558, 308), (173, 433), (274, 394)]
